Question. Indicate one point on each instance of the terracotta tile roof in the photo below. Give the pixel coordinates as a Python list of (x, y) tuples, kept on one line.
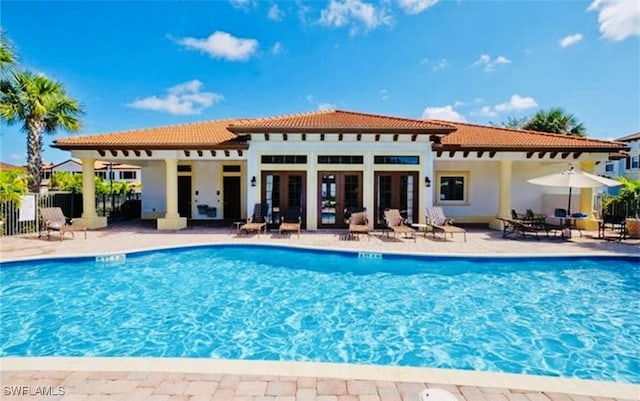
[(629, 138), (474, 136), (338, 119), (206, 134), (7, 167)]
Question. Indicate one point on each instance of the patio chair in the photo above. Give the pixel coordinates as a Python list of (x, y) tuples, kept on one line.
[(53, 219), (437, 220), (359, 224), (521, 228), (396, 223), (291, 221), (257, 222)]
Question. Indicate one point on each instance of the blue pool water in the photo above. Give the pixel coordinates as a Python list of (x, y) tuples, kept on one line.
[(575, 317)]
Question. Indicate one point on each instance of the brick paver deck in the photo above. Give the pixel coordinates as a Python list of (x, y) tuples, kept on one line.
[(133, 386)]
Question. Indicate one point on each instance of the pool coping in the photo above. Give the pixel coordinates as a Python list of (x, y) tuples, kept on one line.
[(322, 369), (323, 248), (514, 381)]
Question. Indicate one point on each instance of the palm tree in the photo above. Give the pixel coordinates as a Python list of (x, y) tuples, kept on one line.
[(557, 121), (7, 56), (42, 106)]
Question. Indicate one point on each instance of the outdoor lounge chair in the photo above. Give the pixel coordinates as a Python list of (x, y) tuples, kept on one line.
[(437, 220), (359, 224), (291, 221), (395, 223), (257, 222), (521, 228), (53, 219)]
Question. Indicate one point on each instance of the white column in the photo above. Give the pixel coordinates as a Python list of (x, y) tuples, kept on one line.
[(427, 172), (312, 191), (253, 170), (368, 186), (171, 220), (89, 217)]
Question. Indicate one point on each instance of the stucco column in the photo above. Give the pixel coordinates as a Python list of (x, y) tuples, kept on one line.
[(89, 218), (253, 170), (312, 191), (425, 199), (368, 186), (171, 220), (504, 193), (586, 200)]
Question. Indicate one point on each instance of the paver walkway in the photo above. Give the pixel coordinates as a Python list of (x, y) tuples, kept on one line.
[(133, 386)]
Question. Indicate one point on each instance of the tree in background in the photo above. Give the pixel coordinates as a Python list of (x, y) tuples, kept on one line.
[(13, 184), (67, 181), (554, 120), (42, 106), (7, 55)]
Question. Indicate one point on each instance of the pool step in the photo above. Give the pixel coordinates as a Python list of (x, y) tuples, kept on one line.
[(120, 257), (369, 255)]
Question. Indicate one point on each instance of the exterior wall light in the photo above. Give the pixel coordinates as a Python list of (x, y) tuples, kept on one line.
[(427, 182), (253, 181)]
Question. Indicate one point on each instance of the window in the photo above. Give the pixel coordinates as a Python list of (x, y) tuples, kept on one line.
[(182, 168), (608, 167), (127, 175), (284, 159), (101, 174), (453, 187), (396, 159), (231, 169), (634, 162), (344, 159)]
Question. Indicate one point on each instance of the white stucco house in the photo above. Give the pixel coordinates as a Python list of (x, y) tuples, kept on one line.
[(104, 169), (324, 162), (628, 166)]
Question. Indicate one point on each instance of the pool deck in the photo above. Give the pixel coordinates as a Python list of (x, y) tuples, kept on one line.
[(92, 379)]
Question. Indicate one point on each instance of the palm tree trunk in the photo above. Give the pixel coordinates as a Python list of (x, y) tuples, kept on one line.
[(35, 129)]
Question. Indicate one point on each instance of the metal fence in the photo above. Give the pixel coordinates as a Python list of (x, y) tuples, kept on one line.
[(26, 218)]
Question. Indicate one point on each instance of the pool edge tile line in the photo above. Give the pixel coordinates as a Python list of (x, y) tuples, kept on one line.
[(593, 388)]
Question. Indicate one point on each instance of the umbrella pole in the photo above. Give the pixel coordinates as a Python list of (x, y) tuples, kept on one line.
[(569, 211)]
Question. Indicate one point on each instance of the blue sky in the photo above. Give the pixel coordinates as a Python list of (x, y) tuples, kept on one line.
[(140, 64)]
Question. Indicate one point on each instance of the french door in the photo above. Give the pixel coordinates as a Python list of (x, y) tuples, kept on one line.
[(339, 193), (396, 190), (284, 190)]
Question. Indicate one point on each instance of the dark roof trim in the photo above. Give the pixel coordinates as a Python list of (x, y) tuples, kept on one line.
[(333, 130)]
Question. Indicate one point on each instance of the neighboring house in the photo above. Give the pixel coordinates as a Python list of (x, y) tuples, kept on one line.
[(7, 167), (325, 162), (104, 169), (630, 165)]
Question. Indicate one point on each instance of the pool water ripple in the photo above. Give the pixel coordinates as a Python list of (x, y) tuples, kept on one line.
[(561, 317)]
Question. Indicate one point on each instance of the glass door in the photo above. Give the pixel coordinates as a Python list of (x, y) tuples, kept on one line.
[(339, 194), (283, 191), (396, 190)]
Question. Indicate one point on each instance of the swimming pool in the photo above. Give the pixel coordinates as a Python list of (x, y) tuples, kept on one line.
[(570, 317)]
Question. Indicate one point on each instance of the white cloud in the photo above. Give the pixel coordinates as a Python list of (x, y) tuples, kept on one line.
[(340, 13), (223, 45), (326, 106), (275, 13), (618, 19), (487, 111), (384, 94), (424, 61), (277, 48), (478, 100), (17, 156), (242, 4), (459, 103), (516, 103), (182, 99), (416, 6), (310, 98), (570, 40), (440, 64), (442, 113), (488, 64)]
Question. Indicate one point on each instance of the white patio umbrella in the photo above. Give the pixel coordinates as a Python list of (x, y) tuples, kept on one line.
[(573, 178)]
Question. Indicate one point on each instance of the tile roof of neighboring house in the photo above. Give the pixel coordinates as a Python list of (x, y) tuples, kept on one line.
[(338, 120), (7, 167), (206, 134), (473, 136), (629, 138)]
